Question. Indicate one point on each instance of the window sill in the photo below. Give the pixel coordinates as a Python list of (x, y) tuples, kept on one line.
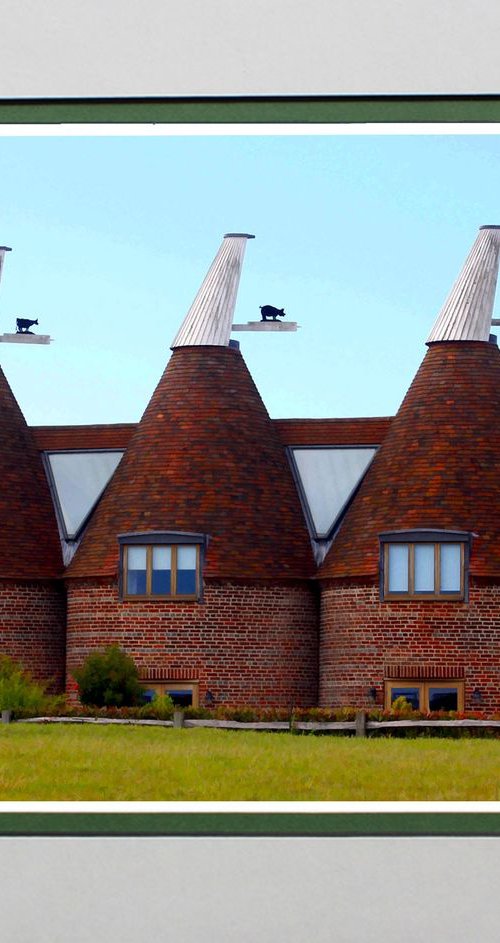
[(137, 598), (424, 597)]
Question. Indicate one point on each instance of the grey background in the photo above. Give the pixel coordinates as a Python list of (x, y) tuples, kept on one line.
[(247, 890), (244, 890), (68, 48)]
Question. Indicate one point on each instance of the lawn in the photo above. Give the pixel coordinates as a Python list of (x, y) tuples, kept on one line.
[(157, 764)]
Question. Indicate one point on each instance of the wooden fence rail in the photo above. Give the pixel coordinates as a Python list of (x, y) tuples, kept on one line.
[(360, 727)]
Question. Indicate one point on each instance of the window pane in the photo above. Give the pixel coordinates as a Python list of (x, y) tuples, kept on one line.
[(162, 558), (186, 571), (398, 568), (186, 558), (136, 571), (161, 581), (424, 568), (450, 568), (412, 695), (443, 699), (136, 558)]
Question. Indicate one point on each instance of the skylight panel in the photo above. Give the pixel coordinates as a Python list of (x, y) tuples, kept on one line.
[(78, 480), (328, 477)]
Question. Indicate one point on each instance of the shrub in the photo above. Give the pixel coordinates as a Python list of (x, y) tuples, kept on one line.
[(319, 714), (109, 679), (20, 694), (160, 708), (402, 708)]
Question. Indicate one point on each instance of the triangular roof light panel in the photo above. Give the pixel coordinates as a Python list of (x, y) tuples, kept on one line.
[(209, 320), (78, 480), (467, 312), (328, 477)]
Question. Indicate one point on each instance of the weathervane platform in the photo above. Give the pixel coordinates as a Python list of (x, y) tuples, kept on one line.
[(22, 338), (266, 326)]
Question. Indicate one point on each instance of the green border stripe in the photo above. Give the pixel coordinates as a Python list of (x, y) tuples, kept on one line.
[(249, 110), (74, 824)]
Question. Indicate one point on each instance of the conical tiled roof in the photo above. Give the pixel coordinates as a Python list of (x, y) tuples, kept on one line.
[(29, 541), (438, 466), (205, 458)]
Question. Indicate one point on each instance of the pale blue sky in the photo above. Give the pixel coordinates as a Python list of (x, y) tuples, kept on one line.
[(359, 238)]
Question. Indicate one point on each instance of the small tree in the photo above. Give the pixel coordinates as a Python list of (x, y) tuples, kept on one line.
[(109, 679)]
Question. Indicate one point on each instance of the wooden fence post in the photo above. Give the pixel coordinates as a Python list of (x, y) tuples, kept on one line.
[(178, 718), (361, 724)]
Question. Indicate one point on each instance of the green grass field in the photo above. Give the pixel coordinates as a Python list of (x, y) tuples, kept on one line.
[(133, 763)]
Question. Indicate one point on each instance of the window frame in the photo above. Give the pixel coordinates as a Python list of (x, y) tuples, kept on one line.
[(423, 687), (411, 539), (149, 541)]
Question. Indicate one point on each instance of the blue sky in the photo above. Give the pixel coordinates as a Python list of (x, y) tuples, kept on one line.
[(359, 238)]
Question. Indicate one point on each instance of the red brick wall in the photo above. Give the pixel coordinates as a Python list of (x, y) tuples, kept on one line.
[(363, 639), (32, 619), (246, 643)]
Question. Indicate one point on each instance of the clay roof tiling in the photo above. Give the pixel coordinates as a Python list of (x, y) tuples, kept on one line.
[(29, 539), (339, 432), (62, 438), (438, 467), (205, 458)]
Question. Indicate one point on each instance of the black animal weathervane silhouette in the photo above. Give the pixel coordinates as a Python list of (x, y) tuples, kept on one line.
[(23, 325)]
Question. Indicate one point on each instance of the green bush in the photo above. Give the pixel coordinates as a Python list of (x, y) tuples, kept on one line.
[(400, 707), (160, 708), (319, 714), (109, 679), (20, 694)]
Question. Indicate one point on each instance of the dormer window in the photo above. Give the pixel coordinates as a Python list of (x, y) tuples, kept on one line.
[(161, 565), (422, 564)]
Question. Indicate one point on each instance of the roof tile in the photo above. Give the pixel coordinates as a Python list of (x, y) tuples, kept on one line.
[(371, 431), (61, 438), (29, 540)]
